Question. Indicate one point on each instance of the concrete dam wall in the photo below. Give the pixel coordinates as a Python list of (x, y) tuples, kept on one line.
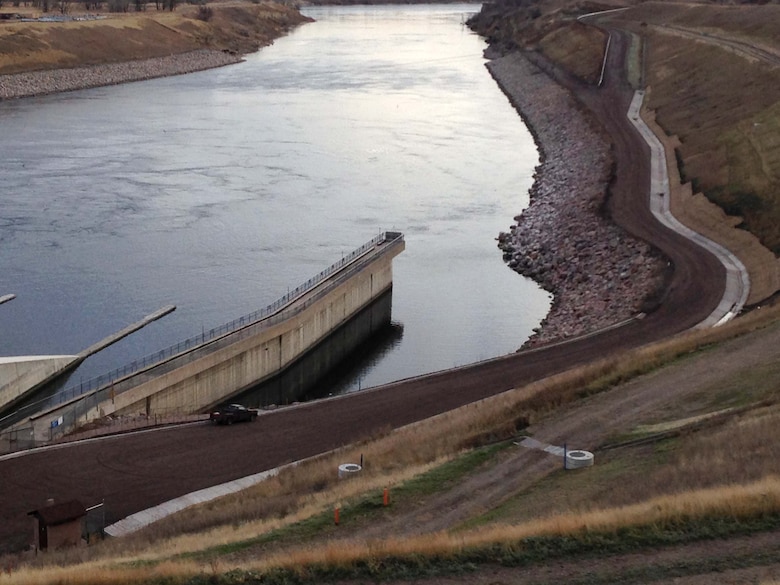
[(331, 364), (19, 374), (195, 380)]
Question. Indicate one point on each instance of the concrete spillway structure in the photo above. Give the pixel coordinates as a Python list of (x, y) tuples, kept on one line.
[(196, 379), (20, 374)]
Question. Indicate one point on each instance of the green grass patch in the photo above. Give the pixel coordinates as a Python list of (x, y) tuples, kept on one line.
[(567, 491), (743, 388), (448, 474), (634, 62)]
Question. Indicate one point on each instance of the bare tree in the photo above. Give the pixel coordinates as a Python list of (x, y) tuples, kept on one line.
[(44, 5)]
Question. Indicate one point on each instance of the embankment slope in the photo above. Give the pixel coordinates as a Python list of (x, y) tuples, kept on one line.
[(45, 57)]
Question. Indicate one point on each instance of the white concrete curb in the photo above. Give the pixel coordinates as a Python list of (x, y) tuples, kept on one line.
[(145, 517), (531, 443), (737, 279)]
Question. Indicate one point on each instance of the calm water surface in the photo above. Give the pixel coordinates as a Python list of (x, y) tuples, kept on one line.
[(218, 191)]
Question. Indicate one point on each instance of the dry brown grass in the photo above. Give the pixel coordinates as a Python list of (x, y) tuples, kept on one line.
[(727, 450), (743, 449), (751, 22), (577, 47), (739, 501), (239, 27), (96, 574), (724, 148), (35, 46), (722, 103), (705, 217)]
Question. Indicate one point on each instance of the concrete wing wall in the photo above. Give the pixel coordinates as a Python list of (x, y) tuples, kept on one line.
[(20, 374), (241, 359), (232, 369)]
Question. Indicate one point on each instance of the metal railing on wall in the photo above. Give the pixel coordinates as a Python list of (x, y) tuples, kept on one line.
[(91, 393), (205, 337)]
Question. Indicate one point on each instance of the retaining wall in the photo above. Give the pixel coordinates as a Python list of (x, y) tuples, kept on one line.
[(20, 374), (241, 359)]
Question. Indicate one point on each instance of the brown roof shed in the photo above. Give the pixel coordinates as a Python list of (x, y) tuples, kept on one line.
[(58, 525)]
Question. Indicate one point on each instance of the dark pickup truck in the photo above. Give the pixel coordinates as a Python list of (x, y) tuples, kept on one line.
[(231, 413)]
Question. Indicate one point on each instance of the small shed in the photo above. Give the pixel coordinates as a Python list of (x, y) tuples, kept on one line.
[(59, 525)]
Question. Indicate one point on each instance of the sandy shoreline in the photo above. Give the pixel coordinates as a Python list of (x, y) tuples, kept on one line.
[(597, 273)]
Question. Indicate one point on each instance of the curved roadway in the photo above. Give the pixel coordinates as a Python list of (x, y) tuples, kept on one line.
[(141, 470)]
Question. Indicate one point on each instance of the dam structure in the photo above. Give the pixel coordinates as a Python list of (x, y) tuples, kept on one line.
[(197, 374)]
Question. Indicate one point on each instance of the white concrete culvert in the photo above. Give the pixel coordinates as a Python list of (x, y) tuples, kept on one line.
[(578, 458), (574, 459), (347, 470)]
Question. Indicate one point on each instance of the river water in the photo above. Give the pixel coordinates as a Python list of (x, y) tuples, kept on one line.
[(219, 191)]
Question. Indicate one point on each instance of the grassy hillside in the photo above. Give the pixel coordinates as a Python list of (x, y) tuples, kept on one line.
[(236, 27), (722, 99)]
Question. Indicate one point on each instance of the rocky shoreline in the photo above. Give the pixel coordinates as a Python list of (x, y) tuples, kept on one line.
[(597, 273), (19, 85)]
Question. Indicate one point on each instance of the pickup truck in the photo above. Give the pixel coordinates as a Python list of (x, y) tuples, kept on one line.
[(231, 413)]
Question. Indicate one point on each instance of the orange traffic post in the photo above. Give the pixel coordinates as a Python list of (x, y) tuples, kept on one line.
[(336, 512), (386, 497)]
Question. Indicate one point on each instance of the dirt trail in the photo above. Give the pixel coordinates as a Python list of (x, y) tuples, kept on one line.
[(749, 51)]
